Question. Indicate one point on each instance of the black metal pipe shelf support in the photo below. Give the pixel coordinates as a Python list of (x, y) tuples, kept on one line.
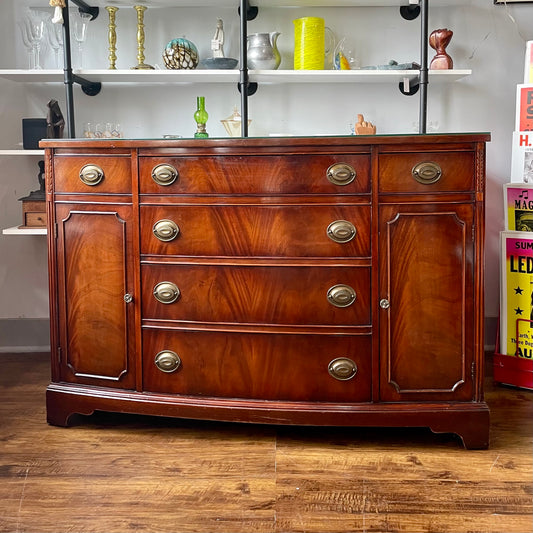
[(88, 87), (411, 12), (246, 88), (424, 75)]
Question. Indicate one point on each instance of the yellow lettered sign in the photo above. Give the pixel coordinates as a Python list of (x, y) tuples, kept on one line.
[(516, 302)]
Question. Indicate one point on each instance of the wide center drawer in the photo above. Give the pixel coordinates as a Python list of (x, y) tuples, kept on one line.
[(244, 230), (308, 368), (256, 294), (269, 174)]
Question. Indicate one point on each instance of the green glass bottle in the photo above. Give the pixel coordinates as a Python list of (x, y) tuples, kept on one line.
[(201, 116)]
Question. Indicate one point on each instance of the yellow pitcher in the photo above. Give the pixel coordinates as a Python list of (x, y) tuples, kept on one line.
[(310, 43)]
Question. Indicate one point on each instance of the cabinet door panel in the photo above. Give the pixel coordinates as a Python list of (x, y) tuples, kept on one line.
[(426, 276), (94, 275)]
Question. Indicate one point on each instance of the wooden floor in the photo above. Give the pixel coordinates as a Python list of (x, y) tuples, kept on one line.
[(122, 473)]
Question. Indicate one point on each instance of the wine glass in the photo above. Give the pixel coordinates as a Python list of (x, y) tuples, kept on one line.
[(55, 39), (81, 23), (24, 33), (35, 23)]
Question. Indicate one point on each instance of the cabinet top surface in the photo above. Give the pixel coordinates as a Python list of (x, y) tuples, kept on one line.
[(342, 140)]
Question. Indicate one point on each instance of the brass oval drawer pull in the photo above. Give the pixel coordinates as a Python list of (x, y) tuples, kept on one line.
[(166, 292), (342, 368), (167, 361), (165, 230), (427, 172), (341, 295), (91, 175), (341, 174), (164, 174), (341, 231)]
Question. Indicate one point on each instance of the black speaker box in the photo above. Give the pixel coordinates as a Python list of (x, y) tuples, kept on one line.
[(33, 130)]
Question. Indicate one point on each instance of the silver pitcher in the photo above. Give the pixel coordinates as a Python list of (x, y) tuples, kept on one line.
[(262, 51)]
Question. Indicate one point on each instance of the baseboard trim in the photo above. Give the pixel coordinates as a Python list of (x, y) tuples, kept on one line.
[(18, 335), (24, 349), (491, 333)]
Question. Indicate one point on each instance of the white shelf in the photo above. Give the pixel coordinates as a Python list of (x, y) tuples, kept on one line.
[(125, 76), (352, 76), (21, 151), (15, 230), (148, 77), (32, 76)]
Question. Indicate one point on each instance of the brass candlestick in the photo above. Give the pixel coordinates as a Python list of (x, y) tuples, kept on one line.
[(140, 39), (112, 35)]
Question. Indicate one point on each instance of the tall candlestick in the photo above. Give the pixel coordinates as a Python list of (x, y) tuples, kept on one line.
[(112, 35), (140, 39)]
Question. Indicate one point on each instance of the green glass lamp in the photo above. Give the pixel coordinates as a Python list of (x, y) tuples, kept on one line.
[(201, 116)]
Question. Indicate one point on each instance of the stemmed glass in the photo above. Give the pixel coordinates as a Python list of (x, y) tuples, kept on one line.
[(35, 25), (24, 33), (81, 22), (55, 39)]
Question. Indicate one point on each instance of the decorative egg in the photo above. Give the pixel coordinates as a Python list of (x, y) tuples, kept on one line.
[(180, 53)]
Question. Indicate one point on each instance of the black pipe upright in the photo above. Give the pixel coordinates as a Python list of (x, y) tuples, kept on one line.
[(424, 76), (68, 78), (243, 80)]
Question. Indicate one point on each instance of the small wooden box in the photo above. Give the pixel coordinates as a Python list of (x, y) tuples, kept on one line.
[(33, 214)]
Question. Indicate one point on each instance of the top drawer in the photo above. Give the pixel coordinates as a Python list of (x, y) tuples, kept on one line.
[(269, 174), (426, 172), (92, 174)]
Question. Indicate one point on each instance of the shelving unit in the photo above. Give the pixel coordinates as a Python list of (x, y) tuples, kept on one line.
[(409, 81)]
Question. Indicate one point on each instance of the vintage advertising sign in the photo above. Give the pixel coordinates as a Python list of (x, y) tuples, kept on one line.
[(518, 206), (516, 301), (524, 107), (522, 157)]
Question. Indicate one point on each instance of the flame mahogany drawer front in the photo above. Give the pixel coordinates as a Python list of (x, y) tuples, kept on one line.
[(256, 294), (92, 174), (257, 230), (255, 365), (269, 174), (426, 172)]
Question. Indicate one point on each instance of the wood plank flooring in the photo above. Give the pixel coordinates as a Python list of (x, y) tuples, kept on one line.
[(122, 473)]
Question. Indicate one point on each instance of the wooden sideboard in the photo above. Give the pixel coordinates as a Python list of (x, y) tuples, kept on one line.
[(313, 281)]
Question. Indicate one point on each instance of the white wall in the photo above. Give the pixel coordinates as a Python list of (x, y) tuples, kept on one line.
[(488, 39)]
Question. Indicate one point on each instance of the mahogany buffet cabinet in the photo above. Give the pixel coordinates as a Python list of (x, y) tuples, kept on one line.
[(304, 280)]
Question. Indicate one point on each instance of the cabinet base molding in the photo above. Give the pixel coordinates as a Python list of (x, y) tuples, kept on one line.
[(469, 421)]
